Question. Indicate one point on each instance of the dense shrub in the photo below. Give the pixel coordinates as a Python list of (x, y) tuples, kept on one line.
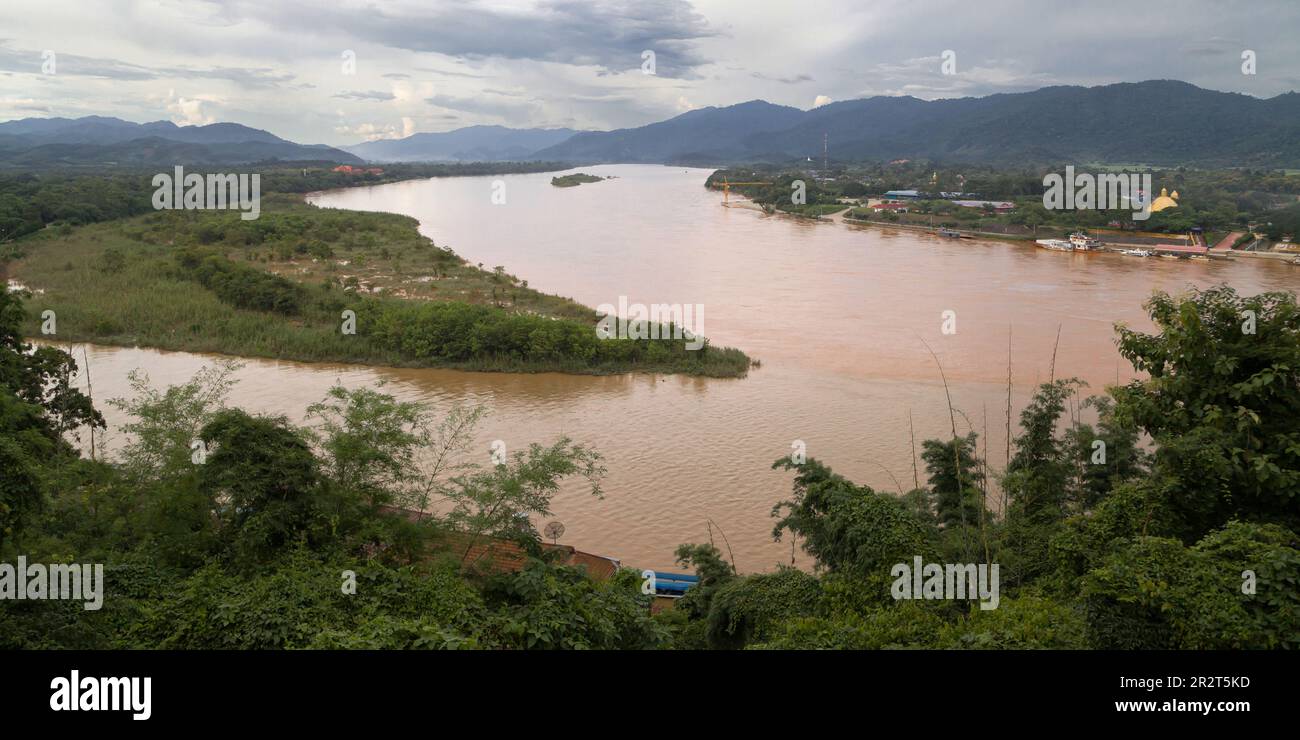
[(242, 286), (1158, 593), (748, 609)]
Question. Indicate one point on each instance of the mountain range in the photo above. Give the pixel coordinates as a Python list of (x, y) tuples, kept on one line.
[(101, 140), (469, 144), (1158, 122)]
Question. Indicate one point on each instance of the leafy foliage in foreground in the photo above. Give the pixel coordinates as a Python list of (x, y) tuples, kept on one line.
[(255, 547), (1190, 546)]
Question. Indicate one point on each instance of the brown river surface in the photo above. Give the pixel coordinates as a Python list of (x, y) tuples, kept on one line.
[(838, 314)]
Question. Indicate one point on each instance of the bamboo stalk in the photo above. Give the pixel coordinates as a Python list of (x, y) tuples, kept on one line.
[(1052, 372), (956, 448), (916, 478), (1008, 463), (730, 554), (984, 485), (90, 393)]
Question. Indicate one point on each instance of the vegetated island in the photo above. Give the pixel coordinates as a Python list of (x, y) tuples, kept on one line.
[(279, 286), (574, 180)]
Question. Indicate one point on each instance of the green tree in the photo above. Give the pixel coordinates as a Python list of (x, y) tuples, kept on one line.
[(713, 571), (1036, 481), (1105, 455), (503, 500), (262, 480), (38, 404), (847, 527), (165, 423), (956, 478), (1158, 593), (1221, 403)]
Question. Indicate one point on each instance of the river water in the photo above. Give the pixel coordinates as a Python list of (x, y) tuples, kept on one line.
[(839, 315)]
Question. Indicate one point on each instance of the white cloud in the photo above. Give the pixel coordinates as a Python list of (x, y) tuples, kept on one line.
[(190, 111)]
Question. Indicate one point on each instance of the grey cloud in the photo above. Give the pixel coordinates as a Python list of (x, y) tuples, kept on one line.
[(29, 61), (364, 95), (514, 108), (610, 35), (450, 73), (786, 80), (1216, 46)]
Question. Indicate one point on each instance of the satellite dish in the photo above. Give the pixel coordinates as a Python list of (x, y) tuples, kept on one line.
[(554, 531)]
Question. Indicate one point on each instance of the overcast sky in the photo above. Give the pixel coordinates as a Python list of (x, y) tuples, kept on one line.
[(436, 65)]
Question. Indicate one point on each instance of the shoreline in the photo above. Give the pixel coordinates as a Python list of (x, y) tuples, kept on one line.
[(109, 345), (1112, 246), (1109, 247)]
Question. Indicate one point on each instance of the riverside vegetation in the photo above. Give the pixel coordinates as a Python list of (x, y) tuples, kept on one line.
[(1219, 201), (33, 199), (574, 180), (1148, 547), (277, 287)]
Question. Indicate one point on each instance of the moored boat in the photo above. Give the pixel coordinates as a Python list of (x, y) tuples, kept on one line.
[(1137, 252), (1059, 245), (1083, 243)]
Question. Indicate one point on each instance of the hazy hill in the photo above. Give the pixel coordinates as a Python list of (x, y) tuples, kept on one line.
[(710, 132), (94, 140), (470, 144), (1159, 122)]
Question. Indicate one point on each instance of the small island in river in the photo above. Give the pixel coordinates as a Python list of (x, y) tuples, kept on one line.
[(574, 180)]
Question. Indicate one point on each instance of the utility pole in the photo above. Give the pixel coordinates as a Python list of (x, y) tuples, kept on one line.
[(825, 140)]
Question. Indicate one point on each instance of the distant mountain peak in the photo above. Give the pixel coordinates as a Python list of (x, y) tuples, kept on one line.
[(483, 143), (1155, 121), (104, 139)]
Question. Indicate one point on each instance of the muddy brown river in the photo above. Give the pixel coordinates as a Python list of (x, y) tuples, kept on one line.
[(839, 316)]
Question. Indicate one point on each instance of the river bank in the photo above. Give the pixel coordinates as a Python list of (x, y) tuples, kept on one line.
[(320, 285)]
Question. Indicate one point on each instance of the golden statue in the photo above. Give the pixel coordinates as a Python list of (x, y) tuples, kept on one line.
[(1164, 201)]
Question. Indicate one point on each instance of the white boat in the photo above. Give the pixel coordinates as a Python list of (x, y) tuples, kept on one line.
[(1137, 252), (1082, 242), (1059, 245)]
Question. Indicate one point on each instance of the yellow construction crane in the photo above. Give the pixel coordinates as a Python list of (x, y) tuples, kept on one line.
[(726, 188)]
